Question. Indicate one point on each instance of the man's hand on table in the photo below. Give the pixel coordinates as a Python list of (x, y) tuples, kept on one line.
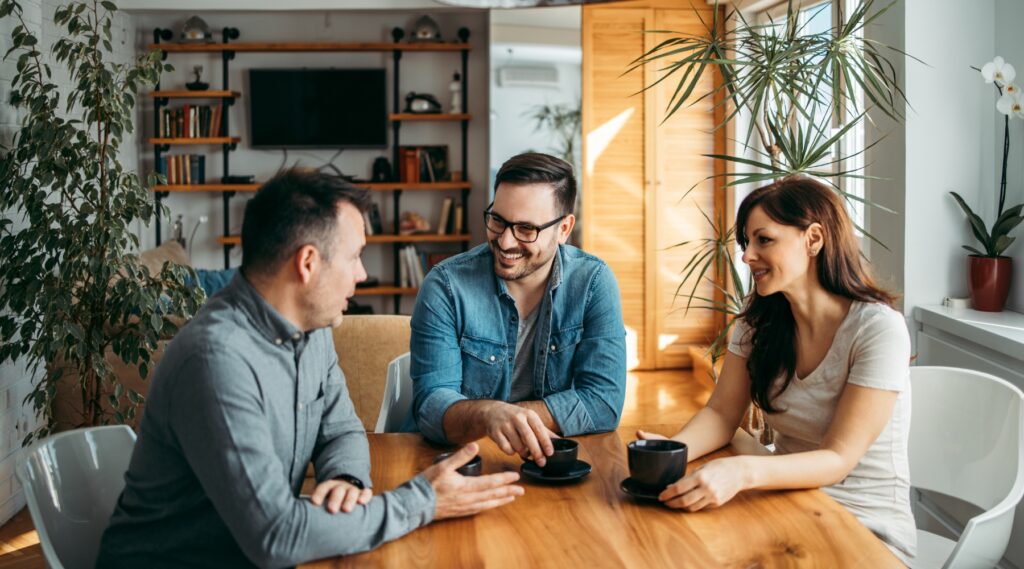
[(340, 496), (458, 495), (521, 431)]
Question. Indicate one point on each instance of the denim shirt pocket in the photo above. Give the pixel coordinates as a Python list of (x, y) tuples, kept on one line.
[(561, 350), (483, 363)]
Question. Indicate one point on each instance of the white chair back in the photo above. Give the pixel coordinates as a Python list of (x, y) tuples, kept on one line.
[(967, 441), (397, 401), (72, 481)]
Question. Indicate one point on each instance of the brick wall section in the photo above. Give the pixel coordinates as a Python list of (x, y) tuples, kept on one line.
[(15, 381)]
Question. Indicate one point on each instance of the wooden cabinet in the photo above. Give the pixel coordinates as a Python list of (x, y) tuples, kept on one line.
[(637, 168)]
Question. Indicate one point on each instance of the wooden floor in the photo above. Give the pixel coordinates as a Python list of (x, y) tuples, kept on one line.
[(651, 398)]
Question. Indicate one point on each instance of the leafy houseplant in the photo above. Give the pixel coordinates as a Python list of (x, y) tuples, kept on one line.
[(71, 290), (799, 92), (989, 271), (564, 122)]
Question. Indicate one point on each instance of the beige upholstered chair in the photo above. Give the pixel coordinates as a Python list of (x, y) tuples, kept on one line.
[(366, 344)]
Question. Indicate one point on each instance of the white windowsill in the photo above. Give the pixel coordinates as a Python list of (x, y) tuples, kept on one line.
[(999, 331)]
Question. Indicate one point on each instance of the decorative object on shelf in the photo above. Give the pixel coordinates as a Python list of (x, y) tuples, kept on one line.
[(423, 103), (412, 222), (178, 231), (238, 179), (425, 30), (456, 88), (198, 84), (381, 170), (192, 236), (195, 30), (990, 272), (358, 308), (76, 300)]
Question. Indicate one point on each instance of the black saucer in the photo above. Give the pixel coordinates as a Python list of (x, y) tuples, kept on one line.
[(637, 491), (530, 470)]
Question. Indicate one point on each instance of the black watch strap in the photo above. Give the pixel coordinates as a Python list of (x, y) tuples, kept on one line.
[(351, 480)]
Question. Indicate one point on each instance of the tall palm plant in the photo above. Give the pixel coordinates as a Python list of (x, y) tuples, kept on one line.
[(799, 94)]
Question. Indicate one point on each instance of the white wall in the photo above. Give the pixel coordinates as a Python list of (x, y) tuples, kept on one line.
[(1010, 44), (420, 72), (949, 142), (15, 381)]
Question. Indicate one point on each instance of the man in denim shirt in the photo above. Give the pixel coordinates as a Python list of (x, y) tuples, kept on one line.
[(520, 339)]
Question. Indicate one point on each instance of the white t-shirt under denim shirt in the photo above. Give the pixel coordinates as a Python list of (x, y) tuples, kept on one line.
[(871, 349)]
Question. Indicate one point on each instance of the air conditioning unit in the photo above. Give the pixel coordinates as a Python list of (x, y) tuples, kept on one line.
[(528, 76)]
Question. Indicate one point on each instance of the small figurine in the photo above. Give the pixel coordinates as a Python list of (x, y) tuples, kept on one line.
[(456, 88), (197, 85), (412, 222)]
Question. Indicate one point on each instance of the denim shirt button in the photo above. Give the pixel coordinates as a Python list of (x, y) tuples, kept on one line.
[(553, 348), (278, 341), (493, 358)]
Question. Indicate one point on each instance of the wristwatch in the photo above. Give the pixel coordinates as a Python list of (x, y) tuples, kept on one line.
[(351, 480)]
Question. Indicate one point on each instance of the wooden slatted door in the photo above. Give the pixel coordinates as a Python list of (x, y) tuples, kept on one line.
[(637, 169), (613, 178)]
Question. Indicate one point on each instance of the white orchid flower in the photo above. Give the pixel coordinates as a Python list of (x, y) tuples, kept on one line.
[(999, 71), (1011, 104)]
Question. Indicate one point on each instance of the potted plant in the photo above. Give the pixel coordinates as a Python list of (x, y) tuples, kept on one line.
[(798, 91), (71, 292), (989, 272)]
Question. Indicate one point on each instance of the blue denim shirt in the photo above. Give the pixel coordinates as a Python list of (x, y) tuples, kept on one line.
[(463, 344)]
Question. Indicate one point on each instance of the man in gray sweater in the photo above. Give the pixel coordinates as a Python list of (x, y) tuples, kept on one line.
[(250, 391)]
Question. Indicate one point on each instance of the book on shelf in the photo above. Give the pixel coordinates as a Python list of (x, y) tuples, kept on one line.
[(375, 220), (423, 164), (408, 165), (443, 221), (367, 224), (457, 220)]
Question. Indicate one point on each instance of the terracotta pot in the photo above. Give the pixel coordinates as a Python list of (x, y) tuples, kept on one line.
[(988, 280)]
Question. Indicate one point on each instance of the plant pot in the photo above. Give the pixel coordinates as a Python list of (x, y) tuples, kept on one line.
[(988, 280)]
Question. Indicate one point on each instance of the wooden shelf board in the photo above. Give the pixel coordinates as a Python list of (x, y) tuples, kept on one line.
[(307, 46), (384, 186), (209, 94), (207, 188), (409, 117), (230, 240), (385, 290), (419, 238), (207, 140)]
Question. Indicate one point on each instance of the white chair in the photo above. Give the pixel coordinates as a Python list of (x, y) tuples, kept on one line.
[(967, 441), (397, 401), (72, 481)]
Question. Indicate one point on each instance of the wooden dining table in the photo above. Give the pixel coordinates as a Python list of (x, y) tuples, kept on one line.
[(592, 523)]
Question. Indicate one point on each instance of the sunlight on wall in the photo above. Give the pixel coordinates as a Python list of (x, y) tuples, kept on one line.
[(599, 139), (666, 340)]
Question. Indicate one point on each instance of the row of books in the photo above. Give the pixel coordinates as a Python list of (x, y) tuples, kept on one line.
[(414, 265), (423, 164), (450, 221), (372, 221), (191, 121), (183, 169)]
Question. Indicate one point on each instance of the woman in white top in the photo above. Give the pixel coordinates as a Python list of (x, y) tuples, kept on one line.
[(821, 352)]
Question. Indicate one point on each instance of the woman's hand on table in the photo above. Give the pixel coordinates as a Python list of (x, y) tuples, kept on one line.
[(709, 486), (458, 495)]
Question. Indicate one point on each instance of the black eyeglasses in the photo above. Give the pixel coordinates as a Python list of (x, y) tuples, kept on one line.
[(523, 232)]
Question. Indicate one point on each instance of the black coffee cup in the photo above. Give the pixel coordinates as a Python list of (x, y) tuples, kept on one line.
[(655, 464), (563, 458), (474, 467)]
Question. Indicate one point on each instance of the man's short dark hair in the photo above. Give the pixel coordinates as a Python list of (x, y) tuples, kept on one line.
[(296, 207), (534, 167)]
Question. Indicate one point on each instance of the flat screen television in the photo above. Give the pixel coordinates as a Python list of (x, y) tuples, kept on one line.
[(317, 108)]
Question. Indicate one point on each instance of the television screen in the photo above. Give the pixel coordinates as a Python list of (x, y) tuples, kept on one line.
[(325, 108)]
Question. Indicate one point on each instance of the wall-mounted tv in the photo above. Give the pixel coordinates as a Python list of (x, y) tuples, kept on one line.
[(317, 108)]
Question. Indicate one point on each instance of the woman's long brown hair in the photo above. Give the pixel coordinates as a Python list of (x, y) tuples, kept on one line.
[(799, 201)]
